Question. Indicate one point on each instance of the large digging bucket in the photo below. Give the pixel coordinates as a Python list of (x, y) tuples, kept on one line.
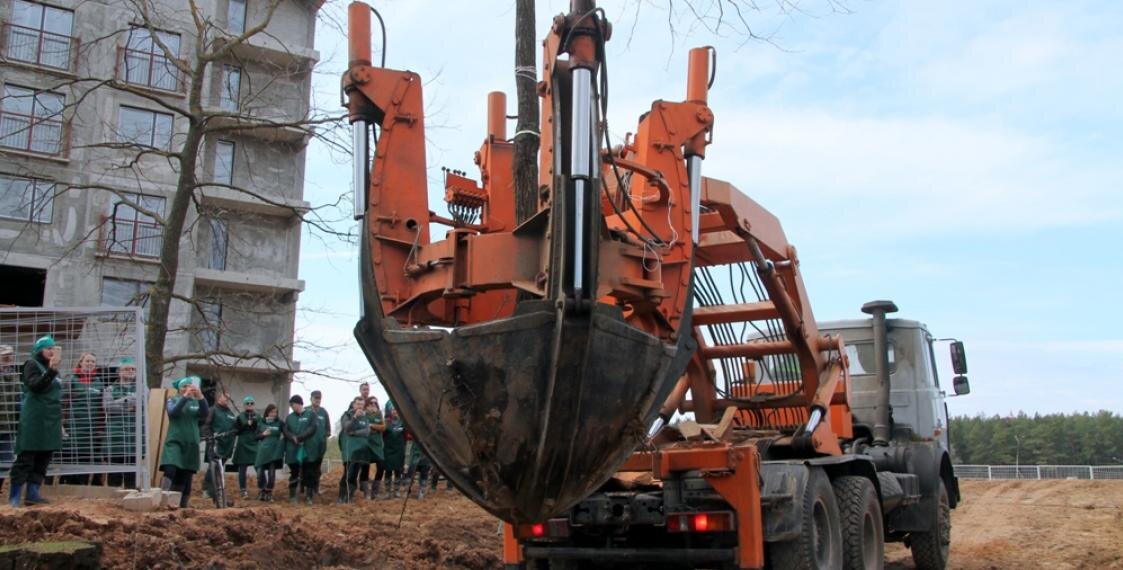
[(526, 415)]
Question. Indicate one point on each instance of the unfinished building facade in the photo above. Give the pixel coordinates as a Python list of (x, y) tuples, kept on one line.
[(88, 128)]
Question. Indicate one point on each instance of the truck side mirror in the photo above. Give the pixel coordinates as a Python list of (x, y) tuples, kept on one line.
[(958, 358), (961, 386)]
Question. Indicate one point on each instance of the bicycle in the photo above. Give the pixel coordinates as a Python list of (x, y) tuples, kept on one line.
[(215, 468)]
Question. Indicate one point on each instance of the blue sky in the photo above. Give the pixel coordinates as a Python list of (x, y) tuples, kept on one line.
[(962, 160)]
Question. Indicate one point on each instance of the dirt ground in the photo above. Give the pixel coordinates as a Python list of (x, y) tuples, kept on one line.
[(1013, 524)]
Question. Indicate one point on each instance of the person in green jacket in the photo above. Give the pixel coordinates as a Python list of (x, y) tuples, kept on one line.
[(222, 422), (319, 443), (377, 447), (270, 452), (393, 453), (299, 428), (419, 465), (119, 403), (83, 411), (180, 458), (245, 447), (355, 433), (40, 422)]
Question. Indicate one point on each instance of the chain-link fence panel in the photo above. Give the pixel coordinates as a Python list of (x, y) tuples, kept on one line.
[(1014, 472), (103, 391)]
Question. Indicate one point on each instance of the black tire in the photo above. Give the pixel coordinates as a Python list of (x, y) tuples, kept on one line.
[(819, 544), (930, 549), (863, 530)]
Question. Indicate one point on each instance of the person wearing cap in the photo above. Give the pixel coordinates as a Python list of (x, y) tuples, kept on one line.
[(40, 422), (119, 403), (270, 453), (370, 405), (376, 445), (9, 405), (319, 442), (246, 444), (222, 423), (180, 458), (299, 427)]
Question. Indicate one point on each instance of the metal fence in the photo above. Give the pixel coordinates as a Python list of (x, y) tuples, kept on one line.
[(104, 393), (1014, 472)]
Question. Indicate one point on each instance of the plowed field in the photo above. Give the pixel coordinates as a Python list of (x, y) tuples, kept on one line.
[(1015, 524)]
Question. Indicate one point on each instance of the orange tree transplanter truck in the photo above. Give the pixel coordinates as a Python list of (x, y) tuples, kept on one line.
[(539, 359)]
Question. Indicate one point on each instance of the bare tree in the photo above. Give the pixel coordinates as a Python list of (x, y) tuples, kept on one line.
[(199, 85)]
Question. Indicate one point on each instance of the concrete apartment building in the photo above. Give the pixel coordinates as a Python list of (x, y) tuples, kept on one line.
[(79, 166)]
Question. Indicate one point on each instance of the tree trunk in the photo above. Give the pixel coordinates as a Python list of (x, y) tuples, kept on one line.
[(156, 331), (526, 89)]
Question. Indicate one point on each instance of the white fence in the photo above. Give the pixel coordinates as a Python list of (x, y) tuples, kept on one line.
[(1010, 472)]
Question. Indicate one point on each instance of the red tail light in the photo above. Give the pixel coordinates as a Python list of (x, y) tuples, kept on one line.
[(721, 521), (553, 528), (538, 530)]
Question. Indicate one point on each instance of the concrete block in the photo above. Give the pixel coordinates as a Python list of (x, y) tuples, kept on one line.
[(51, 555), (143, 501), (170, 498)]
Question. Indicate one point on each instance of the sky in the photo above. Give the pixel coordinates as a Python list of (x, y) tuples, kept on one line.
[(965, 163)]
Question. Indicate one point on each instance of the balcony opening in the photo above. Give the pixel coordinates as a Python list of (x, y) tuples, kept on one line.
[(23, 286)]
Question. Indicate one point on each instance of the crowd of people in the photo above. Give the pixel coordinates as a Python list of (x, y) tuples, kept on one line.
[(90, 418)]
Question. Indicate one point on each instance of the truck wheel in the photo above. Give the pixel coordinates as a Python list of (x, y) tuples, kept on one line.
[(819, 544), (930, 549), (863, 531)]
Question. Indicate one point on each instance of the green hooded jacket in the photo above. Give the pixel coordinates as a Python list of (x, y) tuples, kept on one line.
[(119, 402), (301, 428), (181, 448), (374, 441), (271, 446), (224, 420), (355, 433), (40, 421), (245, 447), (394, 449)]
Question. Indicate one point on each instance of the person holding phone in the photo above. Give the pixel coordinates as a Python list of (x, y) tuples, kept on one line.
[(270, 452), (180, 458), (245, 446), (40, 422)]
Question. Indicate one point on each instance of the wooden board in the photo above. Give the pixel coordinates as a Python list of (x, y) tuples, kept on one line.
[(157, 431)]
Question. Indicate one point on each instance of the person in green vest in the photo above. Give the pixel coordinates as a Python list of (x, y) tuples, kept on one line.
[(270, 452), (180, 458), (119, 403), (419, 465), (9, 405), (393, 453), (355, 433), (299, 427), (40, 422), (245, 446), (222, 422), (319, 443), (83, 405), (377, 447)]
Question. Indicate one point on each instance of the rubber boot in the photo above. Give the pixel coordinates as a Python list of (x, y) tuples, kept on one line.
[(309, 492), (14, 492), (375, 488), (33, 497)]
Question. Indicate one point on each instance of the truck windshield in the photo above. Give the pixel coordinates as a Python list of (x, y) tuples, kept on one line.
[(862, 359)]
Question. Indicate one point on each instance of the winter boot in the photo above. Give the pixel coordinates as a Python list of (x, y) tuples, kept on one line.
[(14, 492), (33, 497), (375, 488)]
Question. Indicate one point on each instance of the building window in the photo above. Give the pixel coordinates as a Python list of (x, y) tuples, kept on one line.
[(125, 293), (220, 238), (39, 34), (224, 162), (145, 128), (236, 17), (26, 199), (146, 63), (231, 84), (31, 120), (133, 232), (210, 328)]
